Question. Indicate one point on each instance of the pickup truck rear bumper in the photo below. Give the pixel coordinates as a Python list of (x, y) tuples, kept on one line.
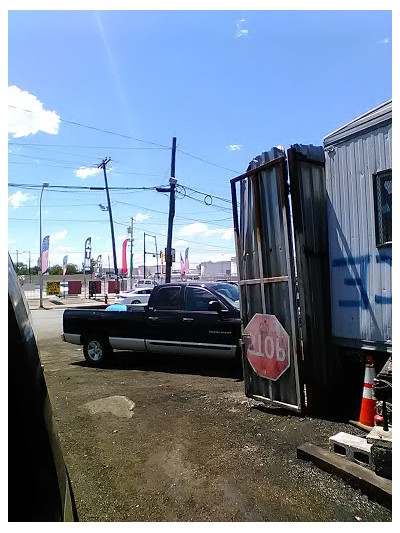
[(72, 338)]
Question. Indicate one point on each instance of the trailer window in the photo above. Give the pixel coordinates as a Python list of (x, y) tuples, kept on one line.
[(383, 207)]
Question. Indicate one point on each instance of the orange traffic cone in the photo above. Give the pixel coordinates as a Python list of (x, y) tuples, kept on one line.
[(368, 401)]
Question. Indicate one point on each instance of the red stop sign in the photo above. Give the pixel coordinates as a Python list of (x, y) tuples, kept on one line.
[(267, 346)]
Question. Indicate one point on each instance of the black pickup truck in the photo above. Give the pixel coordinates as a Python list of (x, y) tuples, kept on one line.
[(180, 318)]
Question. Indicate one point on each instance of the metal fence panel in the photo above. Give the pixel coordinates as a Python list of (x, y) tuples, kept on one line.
[(308, 195), (265, 267)]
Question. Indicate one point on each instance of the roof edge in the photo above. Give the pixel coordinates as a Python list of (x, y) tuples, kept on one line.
[(350, 127)]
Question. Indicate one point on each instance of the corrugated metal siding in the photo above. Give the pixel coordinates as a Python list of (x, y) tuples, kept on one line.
[(264, 255), (357, 310)]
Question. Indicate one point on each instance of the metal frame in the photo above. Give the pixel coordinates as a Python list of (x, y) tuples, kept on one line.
[(254, 177)]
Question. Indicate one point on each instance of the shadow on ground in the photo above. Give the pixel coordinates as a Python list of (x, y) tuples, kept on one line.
[(173, 364)]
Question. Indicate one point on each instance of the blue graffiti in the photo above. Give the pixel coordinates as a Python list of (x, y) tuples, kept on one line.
[(382, 258), (361, 280), (384, 300)]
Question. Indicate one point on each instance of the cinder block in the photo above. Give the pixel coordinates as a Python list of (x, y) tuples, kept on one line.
[(355, 449), (382, 460)]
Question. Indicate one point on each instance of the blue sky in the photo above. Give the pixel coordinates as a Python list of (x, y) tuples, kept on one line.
[(227, 84)]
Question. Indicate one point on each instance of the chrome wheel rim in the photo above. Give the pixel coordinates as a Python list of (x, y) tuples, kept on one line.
[(94, 350)]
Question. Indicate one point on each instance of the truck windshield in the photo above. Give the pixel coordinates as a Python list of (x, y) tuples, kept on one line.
[(229, 292)]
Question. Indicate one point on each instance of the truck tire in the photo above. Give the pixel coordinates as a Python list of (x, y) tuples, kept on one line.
[(238, 363), (97, 351), (136, 302)]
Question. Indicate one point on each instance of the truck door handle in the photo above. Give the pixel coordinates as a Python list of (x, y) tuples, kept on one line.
[(153, 318), (188, 319)]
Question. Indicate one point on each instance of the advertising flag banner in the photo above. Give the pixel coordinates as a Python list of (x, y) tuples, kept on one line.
[(98, 265), (182, 266), (45, 253), (187, 261), (124, 264), (65, 261), (88, 255)]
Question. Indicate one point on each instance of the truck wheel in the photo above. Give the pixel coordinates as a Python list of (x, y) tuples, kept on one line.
[(238, 363), (97, 352), (136, 302)]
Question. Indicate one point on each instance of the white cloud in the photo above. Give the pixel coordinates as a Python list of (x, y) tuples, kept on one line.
[(220, 257), (139, 217), (234, 147), (241, 29), (64, 249), (84, 172), (201, 229), (59, 236), (27, 116), (197, 228), (227, 234), (18, 198), (179, 242), (386, 40)]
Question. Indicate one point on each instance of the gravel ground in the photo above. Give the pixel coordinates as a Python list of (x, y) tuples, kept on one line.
[(163, 438)]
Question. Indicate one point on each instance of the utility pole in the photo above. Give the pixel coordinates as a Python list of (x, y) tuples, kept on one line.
[(29, 268), (171, 190), (103, 166), (45, 184), (144, 256), (151, 253)]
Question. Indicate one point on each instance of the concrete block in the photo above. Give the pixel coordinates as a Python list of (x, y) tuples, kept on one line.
[(382, 461), (353, 448)]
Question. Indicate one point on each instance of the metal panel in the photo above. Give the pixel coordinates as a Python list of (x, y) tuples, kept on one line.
[(360, 272), (308, 196), (265, 267)]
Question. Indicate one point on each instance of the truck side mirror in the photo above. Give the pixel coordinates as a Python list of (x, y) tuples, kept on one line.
[(214, 305)]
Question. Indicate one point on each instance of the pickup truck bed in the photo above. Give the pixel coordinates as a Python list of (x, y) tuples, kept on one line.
[(180, 318)]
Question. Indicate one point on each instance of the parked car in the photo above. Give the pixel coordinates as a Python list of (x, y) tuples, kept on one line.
[(180, 319), (145, 283), (134, 296)]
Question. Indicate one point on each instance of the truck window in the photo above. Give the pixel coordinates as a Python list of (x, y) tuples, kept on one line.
[(167, 298), (197, 299)]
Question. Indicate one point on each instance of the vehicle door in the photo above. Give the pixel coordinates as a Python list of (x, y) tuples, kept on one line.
[(164, 323), (206, 332)]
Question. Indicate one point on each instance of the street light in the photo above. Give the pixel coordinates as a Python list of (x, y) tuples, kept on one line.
[(45, 184)]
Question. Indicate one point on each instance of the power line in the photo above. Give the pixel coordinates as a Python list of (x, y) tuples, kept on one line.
[(76, 187), (91, 147), (94, 128), (209, 162), (74, 167), (195, 242), (207, 194), (54, 220), (131, 138)]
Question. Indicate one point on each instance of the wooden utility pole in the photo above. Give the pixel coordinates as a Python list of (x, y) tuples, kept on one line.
[(171, 190), (103, 166)]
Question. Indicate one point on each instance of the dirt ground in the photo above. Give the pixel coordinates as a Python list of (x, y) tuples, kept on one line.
[(163, 438)]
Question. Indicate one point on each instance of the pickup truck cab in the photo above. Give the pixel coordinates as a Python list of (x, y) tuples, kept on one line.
[(180, 318)]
